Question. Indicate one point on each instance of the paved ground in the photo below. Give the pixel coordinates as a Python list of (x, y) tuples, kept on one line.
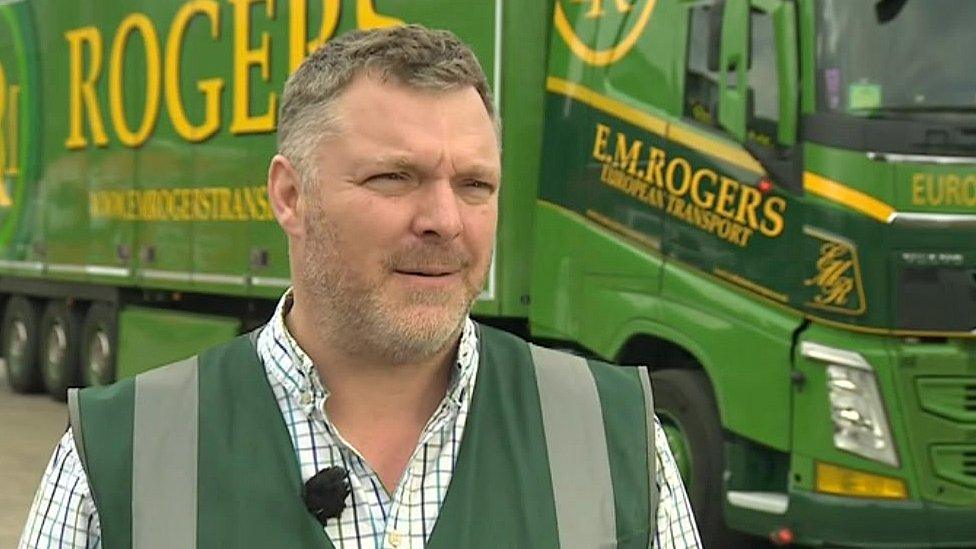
[(29, 428)]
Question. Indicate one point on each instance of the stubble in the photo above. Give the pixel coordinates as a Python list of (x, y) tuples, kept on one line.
[(365, 316)]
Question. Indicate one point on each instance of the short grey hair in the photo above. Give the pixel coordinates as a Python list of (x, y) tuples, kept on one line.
[(412, 55)]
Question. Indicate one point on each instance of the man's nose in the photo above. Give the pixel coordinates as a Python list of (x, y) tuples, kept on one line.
[(438, 211)]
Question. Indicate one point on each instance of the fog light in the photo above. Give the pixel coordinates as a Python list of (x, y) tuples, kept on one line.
[(840, 481)]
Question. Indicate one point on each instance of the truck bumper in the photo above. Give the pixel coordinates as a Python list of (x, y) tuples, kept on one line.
[(817, 519)]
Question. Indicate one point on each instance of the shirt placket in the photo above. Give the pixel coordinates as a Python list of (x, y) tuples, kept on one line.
[(373, 505), (370, 503), (409, 492)]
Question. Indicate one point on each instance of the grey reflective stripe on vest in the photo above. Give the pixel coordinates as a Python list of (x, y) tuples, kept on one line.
[(651, 454), (74, 419), (577, 445), (164, 457)]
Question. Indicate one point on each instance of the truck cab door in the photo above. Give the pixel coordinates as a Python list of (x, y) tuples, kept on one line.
[(733, 63), (758, 72)]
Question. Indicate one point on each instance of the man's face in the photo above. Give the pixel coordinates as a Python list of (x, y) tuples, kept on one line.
[(399, 225)]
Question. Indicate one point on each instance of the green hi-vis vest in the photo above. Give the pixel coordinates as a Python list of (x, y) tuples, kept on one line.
[(557, 452)]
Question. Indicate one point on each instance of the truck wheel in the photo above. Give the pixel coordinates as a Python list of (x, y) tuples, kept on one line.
[(98, 345), (684, 404), (58, 357), (20, 344)]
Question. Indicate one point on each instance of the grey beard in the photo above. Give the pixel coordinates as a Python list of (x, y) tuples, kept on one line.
[(362, 326), (354, 317)]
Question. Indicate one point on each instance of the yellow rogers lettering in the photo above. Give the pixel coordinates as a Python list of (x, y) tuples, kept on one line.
[(182, 204), (774, 208), (726, 196), (210, 88), (251, 110), (708, 199), (685, 176), (699, 196)]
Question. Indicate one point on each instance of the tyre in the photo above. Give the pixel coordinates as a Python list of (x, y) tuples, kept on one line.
[(686, 408), (20, 344), (98, 345), (60, 330)]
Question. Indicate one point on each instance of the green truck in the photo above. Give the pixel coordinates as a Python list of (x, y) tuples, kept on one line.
[(771, 203)]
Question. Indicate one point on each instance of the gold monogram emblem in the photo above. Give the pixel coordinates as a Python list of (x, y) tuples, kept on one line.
[(596, 7), (624, 12), (838, 276)]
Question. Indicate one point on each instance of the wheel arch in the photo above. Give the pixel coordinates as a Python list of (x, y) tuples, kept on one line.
[(658, 347), (692, 408)]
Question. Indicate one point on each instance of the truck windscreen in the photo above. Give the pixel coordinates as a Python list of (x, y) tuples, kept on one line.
[(888, 58)]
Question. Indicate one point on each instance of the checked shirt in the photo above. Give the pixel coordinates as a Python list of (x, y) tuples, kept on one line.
[(63, 514)]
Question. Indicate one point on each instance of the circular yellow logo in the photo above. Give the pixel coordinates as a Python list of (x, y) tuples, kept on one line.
[(626, 18)]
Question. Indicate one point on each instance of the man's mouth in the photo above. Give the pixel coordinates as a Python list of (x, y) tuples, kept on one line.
[(431, 272)]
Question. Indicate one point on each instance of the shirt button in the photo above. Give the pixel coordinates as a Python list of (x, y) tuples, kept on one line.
[(395, 538)]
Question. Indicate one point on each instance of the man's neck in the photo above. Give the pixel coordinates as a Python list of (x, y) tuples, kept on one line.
[(381, 408)]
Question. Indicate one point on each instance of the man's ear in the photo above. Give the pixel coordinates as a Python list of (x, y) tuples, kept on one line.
[(285, 196)]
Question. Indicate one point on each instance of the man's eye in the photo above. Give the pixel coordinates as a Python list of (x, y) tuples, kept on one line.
[(481, 190), (392, 176), (482, 186), (390, 182)]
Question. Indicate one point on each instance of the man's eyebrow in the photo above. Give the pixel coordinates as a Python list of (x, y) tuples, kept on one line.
[(396, 161), (479, 170)]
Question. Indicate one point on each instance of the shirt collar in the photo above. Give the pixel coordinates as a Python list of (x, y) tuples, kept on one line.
[(288, 363)]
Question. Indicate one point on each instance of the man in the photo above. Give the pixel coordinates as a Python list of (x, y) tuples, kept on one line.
[(452, 434)]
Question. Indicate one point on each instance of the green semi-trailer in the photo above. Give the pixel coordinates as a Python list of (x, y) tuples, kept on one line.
[(771, 203)]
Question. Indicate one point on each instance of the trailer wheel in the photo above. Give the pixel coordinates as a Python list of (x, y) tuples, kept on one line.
[(60, 341), (684, 404), (20, 343), (98, 345)]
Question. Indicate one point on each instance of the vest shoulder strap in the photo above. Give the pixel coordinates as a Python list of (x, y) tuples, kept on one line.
[(576, 436), (158, 409), (164, 456), (167, 452)]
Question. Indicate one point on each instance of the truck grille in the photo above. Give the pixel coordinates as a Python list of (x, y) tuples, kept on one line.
[(956, 463), (953, 398), (937, 298)]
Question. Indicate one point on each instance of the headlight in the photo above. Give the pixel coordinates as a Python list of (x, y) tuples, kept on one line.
[(860, 424), (856, 408)]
